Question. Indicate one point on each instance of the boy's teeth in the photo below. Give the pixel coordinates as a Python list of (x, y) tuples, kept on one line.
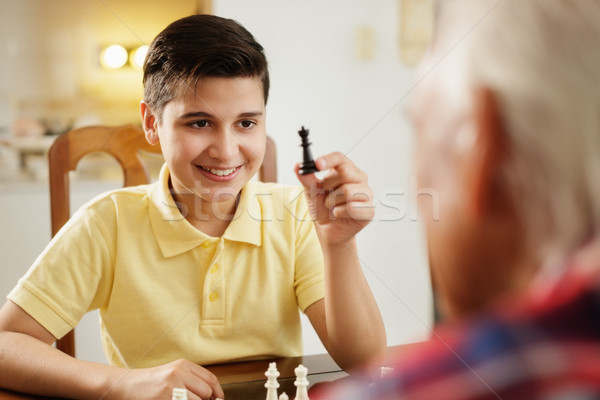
[(219, 172)]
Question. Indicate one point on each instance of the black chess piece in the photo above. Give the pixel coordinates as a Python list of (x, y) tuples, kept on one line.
[(308, 164)]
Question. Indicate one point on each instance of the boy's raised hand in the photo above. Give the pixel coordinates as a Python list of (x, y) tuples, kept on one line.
[(341, 203)]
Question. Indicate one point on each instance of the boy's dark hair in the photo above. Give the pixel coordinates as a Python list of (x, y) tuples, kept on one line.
[(195, 47)]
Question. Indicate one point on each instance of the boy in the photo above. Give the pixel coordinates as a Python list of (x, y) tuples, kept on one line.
[(203, 266)]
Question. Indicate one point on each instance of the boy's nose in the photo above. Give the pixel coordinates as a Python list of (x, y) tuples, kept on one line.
[(225, 146)]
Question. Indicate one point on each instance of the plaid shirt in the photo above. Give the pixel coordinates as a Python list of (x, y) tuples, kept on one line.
[(544, 347)]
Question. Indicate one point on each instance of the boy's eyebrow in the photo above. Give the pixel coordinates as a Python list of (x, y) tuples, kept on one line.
[(251, 114), (196, 114), (204, 114)]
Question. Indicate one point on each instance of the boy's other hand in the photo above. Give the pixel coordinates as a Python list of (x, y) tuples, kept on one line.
[(157, 383), (341, 203)]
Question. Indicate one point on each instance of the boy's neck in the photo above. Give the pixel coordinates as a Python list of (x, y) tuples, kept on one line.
[(211, 218), (214, 228)]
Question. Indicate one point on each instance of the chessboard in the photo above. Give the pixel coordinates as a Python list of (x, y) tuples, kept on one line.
[(271, 389), (245, 380)]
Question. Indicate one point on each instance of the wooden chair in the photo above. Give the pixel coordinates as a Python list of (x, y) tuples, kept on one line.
[(124, 143)]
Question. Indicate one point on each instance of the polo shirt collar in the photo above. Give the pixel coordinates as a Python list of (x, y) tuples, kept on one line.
[(248, 218), (175, 235)]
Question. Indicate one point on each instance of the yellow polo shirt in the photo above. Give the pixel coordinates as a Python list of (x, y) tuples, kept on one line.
[(167, 291)]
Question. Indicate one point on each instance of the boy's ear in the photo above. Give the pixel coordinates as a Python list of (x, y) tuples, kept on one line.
[(149, 123)]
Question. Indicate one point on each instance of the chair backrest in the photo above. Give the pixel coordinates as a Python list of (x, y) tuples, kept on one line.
[(124, 143)]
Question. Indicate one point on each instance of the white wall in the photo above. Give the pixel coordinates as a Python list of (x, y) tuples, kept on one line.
[(349, 105)]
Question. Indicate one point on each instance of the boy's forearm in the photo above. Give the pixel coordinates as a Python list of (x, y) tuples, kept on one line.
[(355, 328), (31, 366)]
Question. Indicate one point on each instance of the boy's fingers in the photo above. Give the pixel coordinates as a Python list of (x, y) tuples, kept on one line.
[(208, 385), (350, 193), (195, 394), (341, 171), (358, 211), (309, 181), (331, 160), (344, 174), (342, 180)]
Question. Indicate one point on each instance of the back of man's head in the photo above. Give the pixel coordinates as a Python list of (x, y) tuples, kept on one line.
[(541, 60)]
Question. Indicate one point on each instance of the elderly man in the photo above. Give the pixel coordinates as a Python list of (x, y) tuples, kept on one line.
[(507, 123)]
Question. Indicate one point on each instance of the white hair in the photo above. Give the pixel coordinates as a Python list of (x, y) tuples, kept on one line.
[(541, 59)]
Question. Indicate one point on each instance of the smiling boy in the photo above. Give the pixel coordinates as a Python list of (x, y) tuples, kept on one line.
[(203, 266), (213, 140)]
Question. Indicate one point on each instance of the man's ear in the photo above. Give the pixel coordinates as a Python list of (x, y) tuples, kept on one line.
[(490, 153), (149, 123)]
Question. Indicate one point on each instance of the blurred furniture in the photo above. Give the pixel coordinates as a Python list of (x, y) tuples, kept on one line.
[(125, 144), (28, 146)]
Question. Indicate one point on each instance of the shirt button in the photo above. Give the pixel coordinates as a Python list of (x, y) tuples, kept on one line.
[(214, 269), (213, 296), (206, 244)]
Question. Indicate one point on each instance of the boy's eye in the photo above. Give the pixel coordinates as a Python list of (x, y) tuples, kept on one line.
[(200, 124), (247, 124)]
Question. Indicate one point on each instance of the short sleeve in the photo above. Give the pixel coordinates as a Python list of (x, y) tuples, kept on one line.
[(309, 262), (73, 274)]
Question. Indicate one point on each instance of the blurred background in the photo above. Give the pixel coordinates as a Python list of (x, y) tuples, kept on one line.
[(344, 69)]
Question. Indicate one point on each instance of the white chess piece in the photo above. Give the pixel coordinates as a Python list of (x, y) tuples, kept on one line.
[(283, 396), (301, 383), (179, 394), (272, 385)]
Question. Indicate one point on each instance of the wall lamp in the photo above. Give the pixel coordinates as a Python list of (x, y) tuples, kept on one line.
[(116, 56)]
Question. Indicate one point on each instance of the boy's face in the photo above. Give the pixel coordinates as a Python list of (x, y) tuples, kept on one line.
[(213, 139)]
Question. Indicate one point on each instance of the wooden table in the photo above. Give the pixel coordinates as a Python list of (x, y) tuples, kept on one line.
[(246, 380)]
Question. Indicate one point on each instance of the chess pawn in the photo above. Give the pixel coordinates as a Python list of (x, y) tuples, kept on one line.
[(301, 383), (179, 394), (308, 164), (283, 396), (272, 385)]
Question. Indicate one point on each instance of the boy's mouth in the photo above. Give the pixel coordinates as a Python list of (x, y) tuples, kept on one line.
[(219, 172)]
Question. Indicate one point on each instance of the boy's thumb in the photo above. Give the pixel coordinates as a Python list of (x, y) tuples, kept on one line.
[(309, 181)]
